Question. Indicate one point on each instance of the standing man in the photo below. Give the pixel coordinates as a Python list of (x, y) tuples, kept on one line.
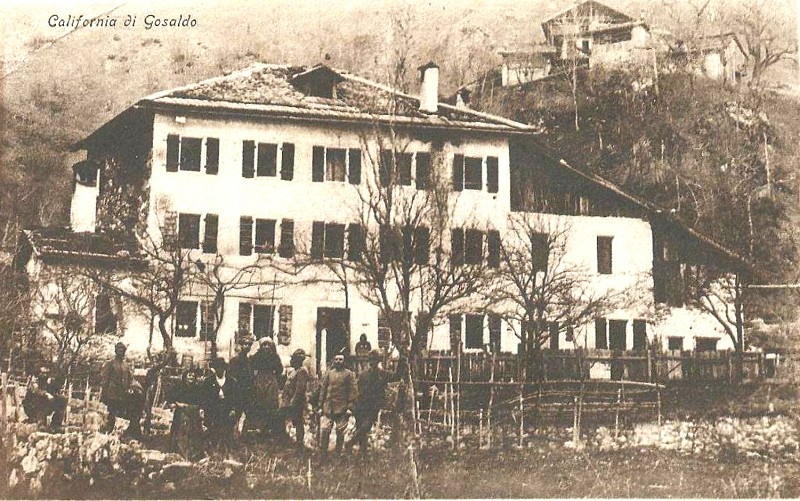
[(117, 377), (293, 399), (371, 390), (241, 369), (337, 394), (268, 367), (219, 398)]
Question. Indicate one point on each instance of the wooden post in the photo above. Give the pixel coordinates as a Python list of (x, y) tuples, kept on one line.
[(575, 421), (17, 404), (480, 429), (658, 404), (86, 404), (457, 414), (3, 402), (491, 402), (69, 404), (649, 366), (616, 413), (452, 410), (521, 416)]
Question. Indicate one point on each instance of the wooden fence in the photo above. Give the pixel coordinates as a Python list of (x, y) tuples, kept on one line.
[(642, 366)]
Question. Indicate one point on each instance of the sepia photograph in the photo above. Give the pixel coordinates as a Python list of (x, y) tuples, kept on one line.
[(391, 249)]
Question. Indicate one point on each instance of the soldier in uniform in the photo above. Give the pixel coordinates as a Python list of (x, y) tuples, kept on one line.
[(117, 377), (293, 399), (371, 391), (337, 394), (219, 399), (241, 369)]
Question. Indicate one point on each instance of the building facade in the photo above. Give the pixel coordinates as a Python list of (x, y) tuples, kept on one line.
[(262, 176)]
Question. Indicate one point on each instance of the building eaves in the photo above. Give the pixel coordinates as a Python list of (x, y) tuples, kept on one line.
[(62, 244)]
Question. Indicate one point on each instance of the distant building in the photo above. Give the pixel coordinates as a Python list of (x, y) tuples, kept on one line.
[(719, 57)]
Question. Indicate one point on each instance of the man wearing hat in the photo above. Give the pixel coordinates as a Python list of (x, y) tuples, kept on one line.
[(293, 398), (371, 390), (117, 377)]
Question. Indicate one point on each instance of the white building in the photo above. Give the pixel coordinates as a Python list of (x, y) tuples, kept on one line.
[(264, 166)]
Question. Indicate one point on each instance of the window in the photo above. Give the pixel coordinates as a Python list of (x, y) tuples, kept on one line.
[(457, 247), (390, 243), (190, 153), (404, 161), (416, 245), (189, 231), (327, 240), (495, 330), (600, 334), (604, 255), (705, 344), (267, 160), (473, 246), (474, 331), (639, 334), (185, 153), (617, 339), (554, 335), (257, 318), (540, 250), (208, 321), (468, 173), (186, 319), (265, 236), (397, 168), (286, 247), (675, 343), (473, 173), (336, 164), (105, 322)]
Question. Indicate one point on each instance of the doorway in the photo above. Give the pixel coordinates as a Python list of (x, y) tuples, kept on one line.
[(333, 335)]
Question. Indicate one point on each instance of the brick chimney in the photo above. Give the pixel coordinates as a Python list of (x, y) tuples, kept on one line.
[(429, 92)]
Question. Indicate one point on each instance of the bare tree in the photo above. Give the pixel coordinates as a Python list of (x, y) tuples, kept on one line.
[(538, 287), (765, 30), (720, 293)]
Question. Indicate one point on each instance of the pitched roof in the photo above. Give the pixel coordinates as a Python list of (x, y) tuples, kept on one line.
[(59, 243), (590, 3), (271, 89)]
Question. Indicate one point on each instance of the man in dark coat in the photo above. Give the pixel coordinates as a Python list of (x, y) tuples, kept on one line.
[(371, 391), (337, 394), (117, 377), (241, 369), (219, 399), (293, 398)]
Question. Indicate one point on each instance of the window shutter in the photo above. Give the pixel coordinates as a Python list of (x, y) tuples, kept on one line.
[(170, 230), (495, 331), (422, 245), (207, 320), (455, 331), (210, 234), (354, 172), (639, 334), (318, 165), (492, 174), (317, 239), (285, 324), (265, 236), (212, 155), (248, 158), (104, 320), (267, 159), (457, 246), (173, 152), (493, 245), (287, 162), (423, 170), (458, 172), (386, 167), (245, 313), (600, 334), (355, 242), (554, 330), (404, 168), (245, 236), (286, 248)]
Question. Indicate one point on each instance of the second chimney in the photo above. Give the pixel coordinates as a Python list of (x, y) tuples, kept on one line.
[(429, 94)]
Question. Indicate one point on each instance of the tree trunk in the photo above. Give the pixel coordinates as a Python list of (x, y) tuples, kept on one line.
[(165, 335)]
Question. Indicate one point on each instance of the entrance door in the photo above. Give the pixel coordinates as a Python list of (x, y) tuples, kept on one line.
[(333, 335)]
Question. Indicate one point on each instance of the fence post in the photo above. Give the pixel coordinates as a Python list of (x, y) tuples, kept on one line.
[(86, 404), (616, 413), (480, 429), (521, 415), (575, 432), (69, 404), (658, 404), (3, 402), (649, 365)]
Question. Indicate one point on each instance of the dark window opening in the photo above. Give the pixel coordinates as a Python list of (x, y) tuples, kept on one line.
[(390, 243), (705, 344), (616, 335), (473, 246), (318, 164), (355, 242), (190, 153), (473, 337), (186, 319), (189, 231), (639, 334), (105, 322), (262, 320), (335, 164), (675, 343), (334, 240), (245, 312), (265, 236), (404, 168), (473, 173), (604, 255), (267, 160)]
